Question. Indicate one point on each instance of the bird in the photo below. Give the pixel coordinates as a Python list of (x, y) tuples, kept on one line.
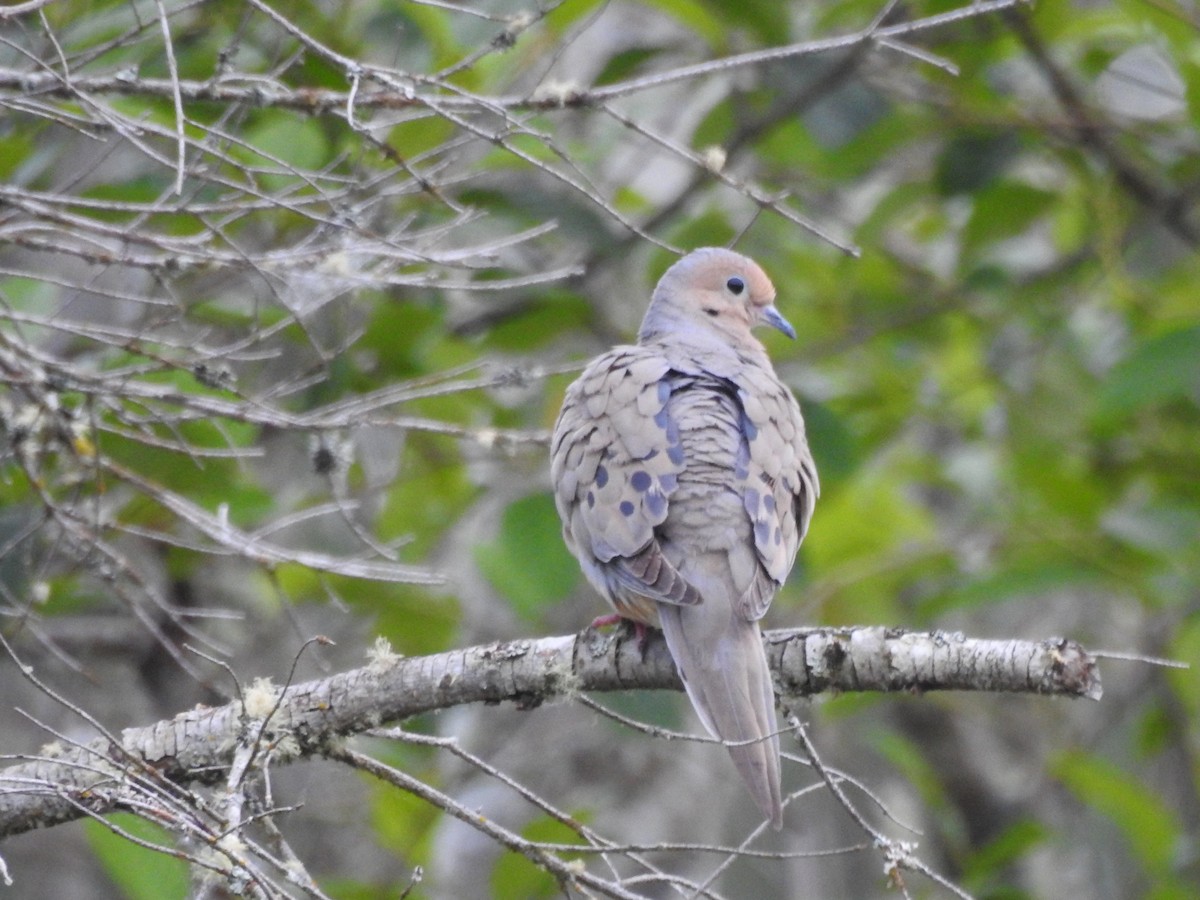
[(685, 485)]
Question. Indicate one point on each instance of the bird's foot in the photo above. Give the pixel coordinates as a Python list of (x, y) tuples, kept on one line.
[(606, 621), (642, 632)]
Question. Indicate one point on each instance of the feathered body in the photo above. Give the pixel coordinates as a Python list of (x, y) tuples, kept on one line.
[(685, 486)]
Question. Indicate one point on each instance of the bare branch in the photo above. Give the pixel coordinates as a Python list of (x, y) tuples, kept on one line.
[(197, 745)]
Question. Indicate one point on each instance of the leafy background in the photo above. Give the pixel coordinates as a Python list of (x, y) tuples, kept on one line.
[(1002, 393)]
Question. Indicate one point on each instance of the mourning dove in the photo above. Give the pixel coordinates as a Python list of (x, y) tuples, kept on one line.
[(685, 486)]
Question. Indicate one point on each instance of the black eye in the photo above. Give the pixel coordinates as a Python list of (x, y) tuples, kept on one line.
[(735, 285)]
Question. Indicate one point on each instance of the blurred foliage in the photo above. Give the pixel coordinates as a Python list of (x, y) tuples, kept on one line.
[(1002, 391), (515, 876), (527, 562), (140, 872)]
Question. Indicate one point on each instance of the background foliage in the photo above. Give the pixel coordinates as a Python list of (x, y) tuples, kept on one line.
[(297, 383)]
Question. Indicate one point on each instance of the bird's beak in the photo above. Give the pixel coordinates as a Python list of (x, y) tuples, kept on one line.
[(773, 317)]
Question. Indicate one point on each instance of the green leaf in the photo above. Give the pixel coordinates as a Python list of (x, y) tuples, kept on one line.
[(715, 127), (974, 160), (27, 294), (707, 23), (528, 561), (626, 64), (15, 148), (849, 147), (709, 229), (868, 533), (831, 441), (892, 210), (404, 822), (1003, 210), (984, 869), (419, 136), (401, 336), (1156, 731), (564, 16), (1162, 368), (967, 387), (416, 619), (540, 322), (294, 141), (141, 874), (426, 30), (766, 19), (1149, 825), (515, 876), (1186, 646), (1024, 578), (910, 759), (432, 492), (208, 483)]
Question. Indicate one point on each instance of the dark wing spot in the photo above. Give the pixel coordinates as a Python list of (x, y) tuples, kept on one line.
[(656, 504), (591, 500), (762, 532), (640, 481), (668, 482), (672, 432), (626, 508), (601, 476), (769, 503), (675, 454), (750, 501), (749, 429), (778, 537), (741, 463)]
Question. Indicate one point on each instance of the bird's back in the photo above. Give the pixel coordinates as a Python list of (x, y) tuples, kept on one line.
[(685, 485)]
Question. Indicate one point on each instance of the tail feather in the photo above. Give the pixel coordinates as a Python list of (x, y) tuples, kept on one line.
[(721, 658)]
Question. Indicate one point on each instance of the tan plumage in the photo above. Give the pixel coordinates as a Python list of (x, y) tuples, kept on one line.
[(685, 486)]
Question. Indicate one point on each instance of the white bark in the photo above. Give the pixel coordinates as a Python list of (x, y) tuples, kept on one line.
[(199, 745)]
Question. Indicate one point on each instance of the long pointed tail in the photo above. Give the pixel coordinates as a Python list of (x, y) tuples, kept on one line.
[(724, 667)]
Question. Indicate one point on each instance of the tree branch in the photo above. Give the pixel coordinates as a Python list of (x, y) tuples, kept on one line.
[(198, 746), (1093, 135), (397, 91)]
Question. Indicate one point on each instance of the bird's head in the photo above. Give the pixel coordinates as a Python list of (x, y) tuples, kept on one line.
[(713, 290)]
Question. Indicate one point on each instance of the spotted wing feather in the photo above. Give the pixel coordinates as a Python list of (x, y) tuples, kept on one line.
[(776, 477), (616, 458)]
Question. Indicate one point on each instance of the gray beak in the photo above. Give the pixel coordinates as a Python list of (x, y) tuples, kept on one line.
[(771, 316)]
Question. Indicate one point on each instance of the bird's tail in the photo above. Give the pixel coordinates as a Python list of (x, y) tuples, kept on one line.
[(721, 658)]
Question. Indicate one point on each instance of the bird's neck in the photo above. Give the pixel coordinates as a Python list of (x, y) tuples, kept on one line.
[(683, 340)]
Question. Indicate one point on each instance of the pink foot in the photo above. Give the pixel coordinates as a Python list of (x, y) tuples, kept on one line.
[(606, 621), (641, 631), (643, 637)]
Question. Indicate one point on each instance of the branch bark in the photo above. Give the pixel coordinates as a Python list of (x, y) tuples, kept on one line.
[(398, 89), (198, 746)]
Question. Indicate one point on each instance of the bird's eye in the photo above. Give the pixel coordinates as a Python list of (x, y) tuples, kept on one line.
[(735, 285)]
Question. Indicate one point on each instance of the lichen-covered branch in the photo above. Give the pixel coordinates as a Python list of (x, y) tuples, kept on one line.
[(198, 746)]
